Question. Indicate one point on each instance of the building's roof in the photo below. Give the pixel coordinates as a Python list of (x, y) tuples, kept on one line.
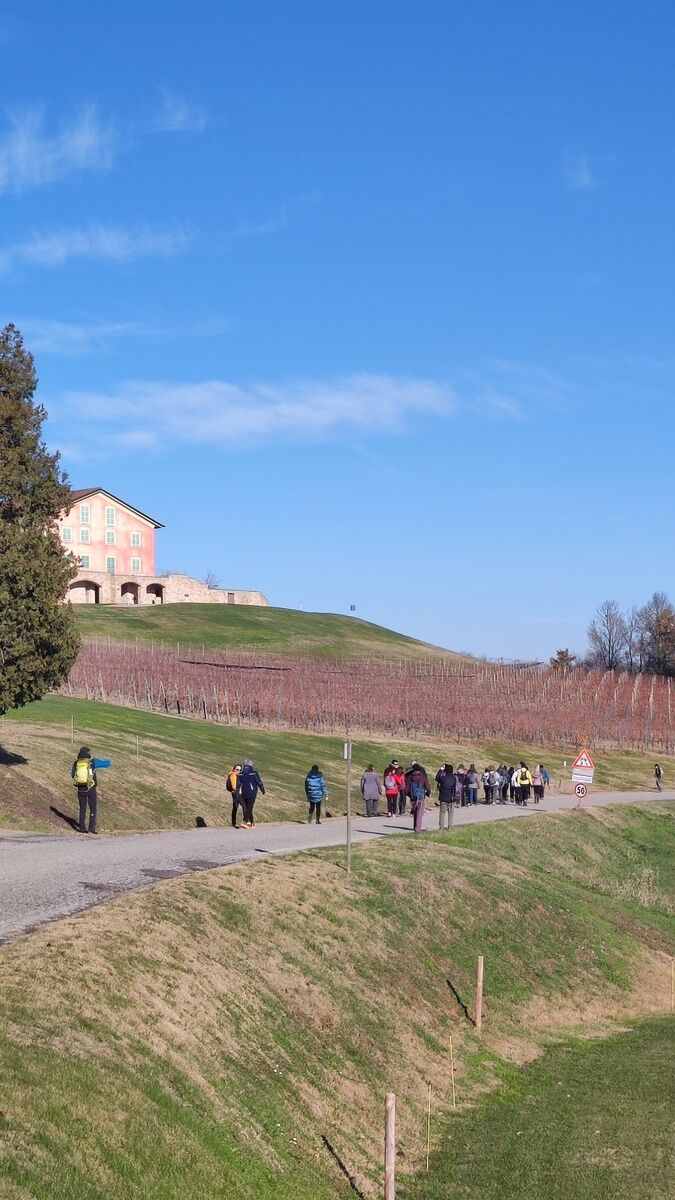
[(83, 493)]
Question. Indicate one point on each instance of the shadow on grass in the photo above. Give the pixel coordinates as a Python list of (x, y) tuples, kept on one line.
[(343, 1168), (9, 759), (460, 1002), (72, 821)]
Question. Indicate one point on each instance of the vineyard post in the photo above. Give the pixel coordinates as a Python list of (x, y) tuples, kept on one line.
[(136, 747), (72, 728)]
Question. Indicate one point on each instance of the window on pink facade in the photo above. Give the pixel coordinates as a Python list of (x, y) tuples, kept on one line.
[(136, 566)]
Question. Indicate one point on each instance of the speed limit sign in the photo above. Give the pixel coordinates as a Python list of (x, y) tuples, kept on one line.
[(580, 790)]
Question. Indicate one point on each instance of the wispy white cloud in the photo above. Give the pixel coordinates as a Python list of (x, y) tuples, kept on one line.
[(177, 116), (579, 174), (102, 243), (45, 336), (513, 390), (219, 413), (276, 223), (31, 157)]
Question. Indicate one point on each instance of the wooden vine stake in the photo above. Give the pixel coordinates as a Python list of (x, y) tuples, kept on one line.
[(390, 1147), (479, 994), (452, 1075), (428, 1125)]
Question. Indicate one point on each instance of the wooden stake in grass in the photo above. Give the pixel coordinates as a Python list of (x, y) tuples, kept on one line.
[(452, 1076), (672, 985), (390, 1147), (72, 729), (428, 1125), (136, 747), (479, 994)]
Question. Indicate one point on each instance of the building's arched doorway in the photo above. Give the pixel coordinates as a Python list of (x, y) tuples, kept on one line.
[(155, 593), (84, 591), (130, 593)]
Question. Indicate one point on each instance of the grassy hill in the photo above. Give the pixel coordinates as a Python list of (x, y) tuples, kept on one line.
[(182, 763), (232, 1034), (236, 627)]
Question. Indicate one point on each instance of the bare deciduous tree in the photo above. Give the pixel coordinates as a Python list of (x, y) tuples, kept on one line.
[(607, 635)]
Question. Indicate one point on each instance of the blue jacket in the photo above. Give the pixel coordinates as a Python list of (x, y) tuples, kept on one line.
[(315, 787), (249, 783)]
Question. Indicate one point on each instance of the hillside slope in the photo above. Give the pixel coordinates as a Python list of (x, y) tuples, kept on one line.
[(232, 1035), (236, 627)]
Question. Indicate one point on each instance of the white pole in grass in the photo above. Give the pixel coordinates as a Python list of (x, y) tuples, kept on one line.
[(390, 1147), (348, 760), (479, 994)]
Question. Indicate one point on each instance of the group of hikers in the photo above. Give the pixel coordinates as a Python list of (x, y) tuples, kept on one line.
[(456, 788)]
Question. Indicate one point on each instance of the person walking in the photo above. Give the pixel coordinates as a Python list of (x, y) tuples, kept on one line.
[(417, 787), (83, 775), (460, 786), (446, 781), (399, 776), (545, 777), (392, 788), (503, 783), (316, 791), (232, 785), (524, 784), (250, 784), (471, 784), (537, 783), (485, 780), (371, 790), (658, 776)]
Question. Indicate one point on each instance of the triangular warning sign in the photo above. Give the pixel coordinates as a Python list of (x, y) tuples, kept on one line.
[(583, 761)]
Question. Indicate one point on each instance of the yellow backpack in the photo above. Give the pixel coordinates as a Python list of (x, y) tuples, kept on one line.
[(84, 773)]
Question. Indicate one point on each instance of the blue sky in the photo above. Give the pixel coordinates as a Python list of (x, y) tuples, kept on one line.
[(368, 302)]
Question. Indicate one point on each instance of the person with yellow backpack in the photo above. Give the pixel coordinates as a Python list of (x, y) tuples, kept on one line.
[(83, 775), (232, 785)]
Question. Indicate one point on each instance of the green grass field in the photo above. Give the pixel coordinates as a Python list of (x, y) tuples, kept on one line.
[(215, 1035), (589, 1120), (182, 764), (237, 627)]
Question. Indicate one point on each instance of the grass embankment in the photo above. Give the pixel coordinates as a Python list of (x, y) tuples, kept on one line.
[(268, 630), (590, 1120), (182, 765), (212, 1036)]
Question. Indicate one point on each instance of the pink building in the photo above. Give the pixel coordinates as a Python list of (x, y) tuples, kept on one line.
[(115, 545), (106, 534)]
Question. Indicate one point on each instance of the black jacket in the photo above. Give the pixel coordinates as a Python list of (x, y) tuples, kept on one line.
[(446, 786)]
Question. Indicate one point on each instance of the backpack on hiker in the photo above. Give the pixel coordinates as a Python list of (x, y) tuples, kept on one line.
[(416, 791), (390, 784), (231, 781), (83, 775), (523, 778)]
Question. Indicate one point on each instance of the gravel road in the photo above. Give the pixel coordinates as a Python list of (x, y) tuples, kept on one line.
[(44, 877)]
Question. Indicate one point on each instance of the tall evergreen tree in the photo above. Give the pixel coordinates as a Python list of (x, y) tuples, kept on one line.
[(38, 639)]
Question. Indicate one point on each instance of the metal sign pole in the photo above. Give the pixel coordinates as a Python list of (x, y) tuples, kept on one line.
[(348, 756)]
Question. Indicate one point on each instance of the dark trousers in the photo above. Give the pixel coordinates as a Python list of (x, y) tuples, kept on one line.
[(247, 806), (372, 806), (392, 801), (401, 803), (315, 810), (235, 806), (87, 796)]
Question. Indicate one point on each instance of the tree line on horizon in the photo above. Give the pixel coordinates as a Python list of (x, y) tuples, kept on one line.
[(639, 640)]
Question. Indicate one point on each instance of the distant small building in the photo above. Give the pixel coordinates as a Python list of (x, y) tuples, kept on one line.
[(115, 545)]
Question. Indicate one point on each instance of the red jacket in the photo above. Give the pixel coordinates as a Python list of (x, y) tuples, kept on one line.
[(399, 780)]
